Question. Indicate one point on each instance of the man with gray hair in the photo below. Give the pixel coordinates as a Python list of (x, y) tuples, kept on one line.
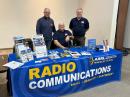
[(79, 26), (45, 26)]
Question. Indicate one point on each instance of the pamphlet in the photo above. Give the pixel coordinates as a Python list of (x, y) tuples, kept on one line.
[(13, 64), (91, 43), (39, 46)]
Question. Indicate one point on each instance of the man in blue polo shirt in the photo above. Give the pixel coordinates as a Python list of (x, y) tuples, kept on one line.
[(45, 25), (79, 26), (62, 38)]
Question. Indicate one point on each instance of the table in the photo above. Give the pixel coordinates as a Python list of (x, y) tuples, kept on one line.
[(54, 78)]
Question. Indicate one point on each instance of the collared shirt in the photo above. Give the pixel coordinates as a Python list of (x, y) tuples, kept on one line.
[(46, 27), (60, 37), (79, 27)]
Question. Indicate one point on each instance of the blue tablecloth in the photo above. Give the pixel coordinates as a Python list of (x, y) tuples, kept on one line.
[(53, 78)]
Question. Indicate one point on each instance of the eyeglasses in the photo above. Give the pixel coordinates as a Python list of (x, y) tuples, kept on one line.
[(46, 12)]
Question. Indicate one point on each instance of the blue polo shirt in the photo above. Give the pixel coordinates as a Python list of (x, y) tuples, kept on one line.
[(60, 36), (46, 27), (79, 27)]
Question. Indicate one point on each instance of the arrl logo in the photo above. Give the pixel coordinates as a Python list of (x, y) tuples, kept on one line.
[(99, 58), (93, 60)]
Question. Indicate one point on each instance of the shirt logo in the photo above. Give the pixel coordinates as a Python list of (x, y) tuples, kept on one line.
[(51, 24), (66, 34), (82, 22)]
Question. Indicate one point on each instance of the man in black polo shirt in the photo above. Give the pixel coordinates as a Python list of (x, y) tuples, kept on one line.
[(79, 26), (45, 25), (62, 37)]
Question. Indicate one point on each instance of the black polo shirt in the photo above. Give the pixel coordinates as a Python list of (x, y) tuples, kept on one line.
[(79, 27), (46, 27), (60, 36)]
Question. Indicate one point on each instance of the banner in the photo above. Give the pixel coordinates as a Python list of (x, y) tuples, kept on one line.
[(62, 77)]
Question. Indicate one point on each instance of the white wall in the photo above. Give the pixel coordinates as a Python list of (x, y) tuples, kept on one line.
[(102, 17), (127, 30), (20, 16)]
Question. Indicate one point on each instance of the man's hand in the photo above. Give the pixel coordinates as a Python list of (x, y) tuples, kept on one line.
[(71, 37), (64, 47)]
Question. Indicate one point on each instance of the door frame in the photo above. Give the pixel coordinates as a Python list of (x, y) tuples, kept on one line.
[(121, 24)]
